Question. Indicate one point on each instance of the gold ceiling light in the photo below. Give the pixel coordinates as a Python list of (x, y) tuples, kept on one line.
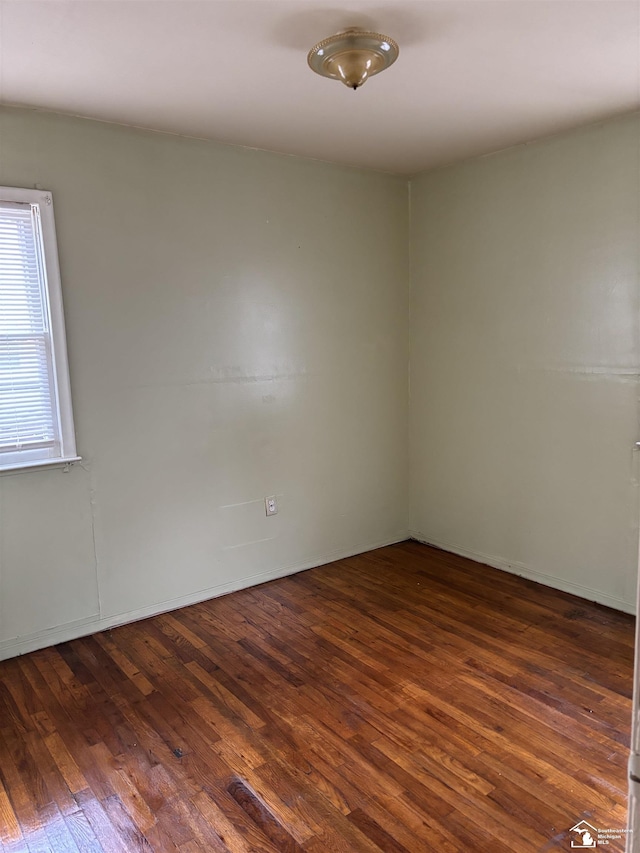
[(353, 56)]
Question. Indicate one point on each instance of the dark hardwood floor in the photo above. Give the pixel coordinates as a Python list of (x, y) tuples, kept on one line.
[(404, 700)]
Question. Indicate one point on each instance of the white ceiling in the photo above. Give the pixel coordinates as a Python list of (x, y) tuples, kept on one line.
[(472, 77)]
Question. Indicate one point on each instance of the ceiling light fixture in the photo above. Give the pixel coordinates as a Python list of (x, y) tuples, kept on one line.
[(353, 56)]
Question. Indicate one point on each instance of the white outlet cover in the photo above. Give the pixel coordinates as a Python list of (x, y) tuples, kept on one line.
[(271, 505)]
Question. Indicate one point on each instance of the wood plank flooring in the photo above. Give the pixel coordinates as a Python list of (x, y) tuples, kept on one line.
[(404, 700)]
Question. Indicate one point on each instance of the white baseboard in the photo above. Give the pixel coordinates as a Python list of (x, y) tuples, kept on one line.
[(524, 571), (15, 646)]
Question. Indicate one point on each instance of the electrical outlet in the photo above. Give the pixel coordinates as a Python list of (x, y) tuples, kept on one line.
[(271, 505)]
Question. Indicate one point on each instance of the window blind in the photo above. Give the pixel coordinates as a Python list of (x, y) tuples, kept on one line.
[(28, 407)]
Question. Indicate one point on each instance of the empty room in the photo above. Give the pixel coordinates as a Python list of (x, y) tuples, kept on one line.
[(319, 361)]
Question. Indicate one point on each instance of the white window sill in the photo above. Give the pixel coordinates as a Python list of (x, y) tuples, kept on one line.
[(40, 464)]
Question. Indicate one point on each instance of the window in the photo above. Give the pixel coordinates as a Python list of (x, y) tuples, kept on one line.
[(36, 420)]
